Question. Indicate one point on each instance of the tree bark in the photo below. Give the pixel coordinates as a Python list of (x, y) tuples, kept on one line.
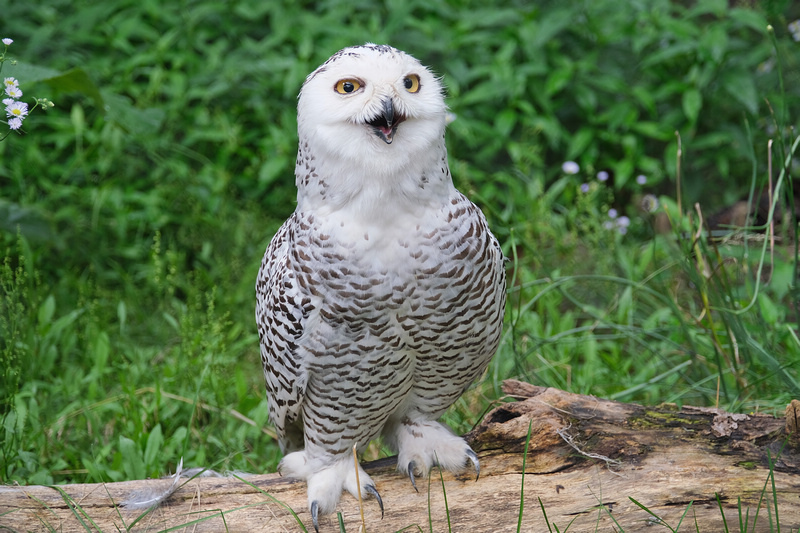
[(588, 462)]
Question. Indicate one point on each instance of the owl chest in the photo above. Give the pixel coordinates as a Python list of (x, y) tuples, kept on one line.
[(359, 281), (370, 278)]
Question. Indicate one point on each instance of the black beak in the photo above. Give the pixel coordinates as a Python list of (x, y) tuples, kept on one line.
[(385, 124)]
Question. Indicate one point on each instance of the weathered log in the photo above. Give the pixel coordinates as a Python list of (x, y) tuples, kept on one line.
[(587, 460)]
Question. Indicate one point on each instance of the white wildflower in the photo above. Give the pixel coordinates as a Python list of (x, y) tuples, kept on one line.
[(570, 167), (602, 175), (641, 179), (7, 41), (14, 92), (649, 203), (794, 29), (15, 123), (17, 110), (618, 223)]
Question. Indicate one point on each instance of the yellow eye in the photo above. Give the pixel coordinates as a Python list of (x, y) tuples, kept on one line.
[(411, 83), (347, 86)]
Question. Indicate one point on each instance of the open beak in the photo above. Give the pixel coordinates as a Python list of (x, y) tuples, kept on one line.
[(385, 124)]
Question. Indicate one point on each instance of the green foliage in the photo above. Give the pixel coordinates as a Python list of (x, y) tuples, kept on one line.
[(608, 87), (677, 318), (135, 213)]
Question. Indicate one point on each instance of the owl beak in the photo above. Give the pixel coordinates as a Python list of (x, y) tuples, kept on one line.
[(385, 124)]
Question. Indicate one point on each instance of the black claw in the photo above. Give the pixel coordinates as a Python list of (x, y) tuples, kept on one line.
[(474, 458), (372, 490), (315, 515), (411, 466)]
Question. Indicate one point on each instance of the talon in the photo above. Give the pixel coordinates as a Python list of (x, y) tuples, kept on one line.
[(315, 515), (474, 458), (411, 466), (372, 490)]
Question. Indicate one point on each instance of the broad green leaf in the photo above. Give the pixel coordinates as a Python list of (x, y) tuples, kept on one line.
[(715, 42), (121, 111), (505, 122), (623, 170), (73, 80), (132, 462), (271, 169), (750, 18), (27, 73), (482, 92), (715, 7), (47, 310), (29, 222), (122, 314), (155, 441), (669, 52), (740, 85), (692, 102), (101, 348), (22, 414), (769, 311), (654, 130), (558, 79), (61, 324), (10, 423), (579, 142), (551, 24)]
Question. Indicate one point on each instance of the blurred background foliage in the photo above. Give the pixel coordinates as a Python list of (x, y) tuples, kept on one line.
[(133, 215)]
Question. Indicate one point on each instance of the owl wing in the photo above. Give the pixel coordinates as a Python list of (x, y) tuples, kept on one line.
[(282, 311)]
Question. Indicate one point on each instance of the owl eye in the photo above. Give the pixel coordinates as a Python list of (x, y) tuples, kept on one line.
[(411, 83), (347, 86)]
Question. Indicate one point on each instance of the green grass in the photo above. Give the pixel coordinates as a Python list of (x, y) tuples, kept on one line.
[(134, 214)]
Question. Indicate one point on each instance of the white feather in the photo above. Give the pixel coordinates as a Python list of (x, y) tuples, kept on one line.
[(156, 492)]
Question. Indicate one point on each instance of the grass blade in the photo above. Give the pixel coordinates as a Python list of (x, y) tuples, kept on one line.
[(774, 493), (430, 517), (276, 500), (684, 515), (546, 521), (76, 509), (444, 493), (522, 486), (722, 512), (659, 520), (742, 524)]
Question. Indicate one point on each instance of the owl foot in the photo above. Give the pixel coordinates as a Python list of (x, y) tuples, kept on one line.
[(327, 479), (423, 444), (411, 467), (472, 456)]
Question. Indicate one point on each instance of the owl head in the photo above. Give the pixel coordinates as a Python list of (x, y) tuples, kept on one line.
[(371, 100)]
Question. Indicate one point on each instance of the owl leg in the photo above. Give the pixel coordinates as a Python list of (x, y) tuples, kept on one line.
[(326, 478), (421, 444)]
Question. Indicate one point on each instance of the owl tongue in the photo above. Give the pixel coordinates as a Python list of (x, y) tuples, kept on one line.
[(385, 124)]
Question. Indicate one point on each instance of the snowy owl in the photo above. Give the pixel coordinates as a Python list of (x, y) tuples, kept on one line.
[(381, 298)]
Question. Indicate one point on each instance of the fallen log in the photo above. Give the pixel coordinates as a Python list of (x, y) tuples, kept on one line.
[(591, 465)]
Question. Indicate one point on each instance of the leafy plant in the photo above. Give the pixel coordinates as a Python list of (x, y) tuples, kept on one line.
[(135, 213)]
